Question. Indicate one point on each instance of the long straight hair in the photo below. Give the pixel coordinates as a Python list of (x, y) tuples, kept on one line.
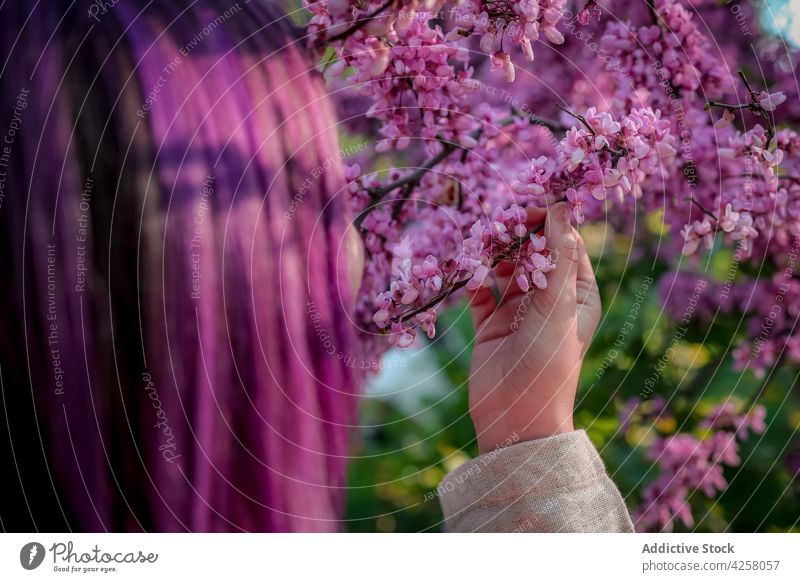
[(175, 351)]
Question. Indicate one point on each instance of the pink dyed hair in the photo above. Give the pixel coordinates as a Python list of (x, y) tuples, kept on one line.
[(169, 219)]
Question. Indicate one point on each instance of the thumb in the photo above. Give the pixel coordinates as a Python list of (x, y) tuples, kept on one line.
[(562, 241)]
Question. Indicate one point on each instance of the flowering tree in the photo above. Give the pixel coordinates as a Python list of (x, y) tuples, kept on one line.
[(482, 108)]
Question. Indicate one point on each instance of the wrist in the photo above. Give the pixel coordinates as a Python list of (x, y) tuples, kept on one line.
[(505, 430)]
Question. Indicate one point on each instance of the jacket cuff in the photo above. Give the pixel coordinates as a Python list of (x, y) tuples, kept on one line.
[(557, 483)]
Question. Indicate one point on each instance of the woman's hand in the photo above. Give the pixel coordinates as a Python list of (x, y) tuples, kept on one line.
[(529, 348)]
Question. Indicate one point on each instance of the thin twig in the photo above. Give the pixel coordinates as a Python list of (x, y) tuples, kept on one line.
[(412, 180), (360, 22), (703, 208), (448, 148), (580, 118), (729, 105), (534, 119), (651, 8), (747, 84)]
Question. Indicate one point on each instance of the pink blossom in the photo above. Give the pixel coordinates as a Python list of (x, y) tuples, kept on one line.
[(725, 120), (478, 278), (770, 101), (502, 61)]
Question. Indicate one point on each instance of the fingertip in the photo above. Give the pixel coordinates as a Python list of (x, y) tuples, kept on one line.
[(557, 222), (561, 211), (535, 215)]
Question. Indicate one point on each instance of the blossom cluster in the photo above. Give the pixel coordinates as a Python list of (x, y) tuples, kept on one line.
[(519, 21), (411, 64), (409, 60), (414, 73), (669, 132), (416, 288), (757, 205), (601, 156), (689, 463), (407, 69), (669, 50)]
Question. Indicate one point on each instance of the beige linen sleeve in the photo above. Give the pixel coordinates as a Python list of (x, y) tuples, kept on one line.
[(554, 484)]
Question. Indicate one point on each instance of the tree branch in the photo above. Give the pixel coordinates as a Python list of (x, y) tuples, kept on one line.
[(361, 22), (580, 118), (703, 209), (413, 179)]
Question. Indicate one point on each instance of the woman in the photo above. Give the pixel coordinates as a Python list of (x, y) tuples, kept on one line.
[(176, 266)]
